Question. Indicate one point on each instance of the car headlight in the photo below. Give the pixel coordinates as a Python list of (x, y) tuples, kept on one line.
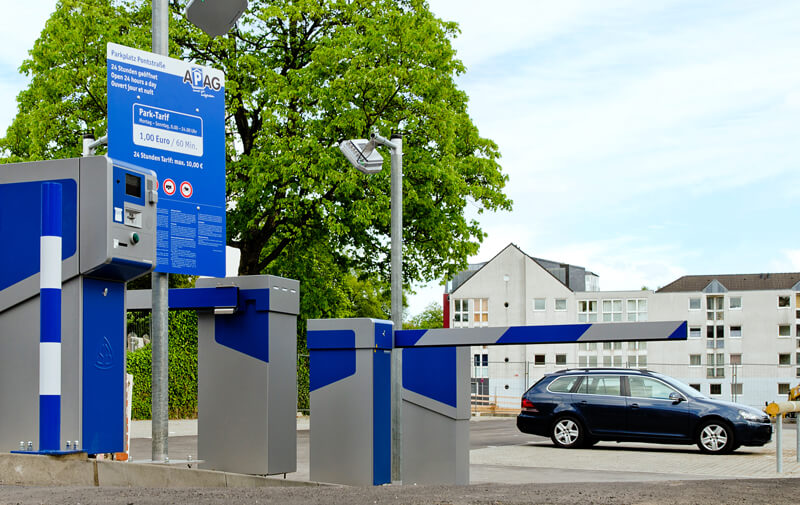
[(752, 416)]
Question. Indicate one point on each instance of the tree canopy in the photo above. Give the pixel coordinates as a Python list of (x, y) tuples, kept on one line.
[(301, 76)]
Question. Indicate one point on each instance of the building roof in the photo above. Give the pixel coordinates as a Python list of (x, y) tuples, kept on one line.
[(734, 282)]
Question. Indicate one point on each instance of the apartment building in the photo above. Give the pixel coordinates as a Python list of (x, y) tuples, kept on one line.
[(743, 330)]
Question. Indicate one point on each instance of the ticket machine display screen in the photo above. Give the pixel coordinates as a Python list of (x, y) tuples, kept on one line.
[(133, 185)]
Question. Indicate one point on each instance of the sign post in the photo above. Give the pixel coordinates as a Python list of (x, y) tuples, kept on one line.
[(169, 115)]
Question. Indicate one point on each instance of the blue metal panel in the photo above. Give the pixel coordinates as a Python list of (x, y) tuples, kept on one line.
[(246, 330), (680, 333), (50, 315), (103, 366), (382, 417), (21, 219), (331, 339), (552, 333), (407, 338), (51, 209), (205, 298), (49, 422), (329, 366), (383, 336), (431, 372)]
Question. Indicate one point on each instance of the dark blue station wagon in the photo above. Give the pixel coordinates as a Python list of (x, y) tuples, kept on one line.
[(578, 408)]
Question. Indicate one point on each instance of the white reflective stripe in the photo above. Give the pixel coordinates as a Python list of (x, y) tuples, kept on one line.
[(50, 262), (50, 368)]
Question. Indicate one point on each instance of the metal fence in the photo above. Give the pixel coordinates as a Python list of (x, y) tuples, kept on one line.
[(499, 386)]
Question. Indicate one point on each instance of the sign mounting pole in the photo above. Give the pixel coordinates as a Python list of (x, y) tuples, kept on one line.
[(160, 284)]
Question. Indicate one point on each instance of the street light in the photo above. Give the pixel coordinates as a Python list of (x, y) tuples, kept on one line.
[(362, 155), (215, 17)]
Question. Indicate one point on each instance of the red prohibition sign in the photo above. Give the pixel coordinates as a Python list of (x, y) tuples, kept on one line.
[(186, 189), (169, 187)]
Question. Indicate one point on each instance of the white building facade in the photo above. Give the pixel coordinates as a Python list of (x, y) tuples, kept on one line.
[(744, 330)]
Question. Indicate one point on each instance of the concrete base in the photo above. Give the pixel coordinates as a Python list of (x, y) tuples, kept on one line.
[(33, 470)]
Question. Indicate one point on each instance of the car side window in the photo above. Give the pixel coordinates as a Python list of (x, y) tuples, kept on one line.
[(645, 387), (563, 384), (600, 385)]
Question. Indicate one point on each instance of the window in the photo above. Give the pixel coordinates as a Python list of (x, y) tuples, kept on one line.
[(593, 361), (460, 313), (694, 360), (561, 304), (607, 346), (561, 359), (735, 303), (591, 346), (582, 361), (694, 332), (618, 361), (539, 304), (640, 346), (715, 337), (642, 361), (481, 315), (783, 388), (715, 308), (736, 331), (784, 302), (645, 387), (736, 359), (612, 310), (480, 366), (606, 361), (587, 311), (617, 345), (784, 330), (563, 384), (715, 364), (736, 388), (600, 385), (637, 310), (784, 359), (715, 389), (538, 359), (696, 386), (694, 303)]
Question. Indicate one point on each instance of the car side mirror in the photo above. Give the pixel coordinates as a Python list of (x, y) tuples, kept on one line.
[(676, 397)]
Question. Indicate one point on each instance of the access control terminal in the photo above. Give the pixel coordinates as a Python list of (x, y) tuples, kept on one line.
[(108, 238)]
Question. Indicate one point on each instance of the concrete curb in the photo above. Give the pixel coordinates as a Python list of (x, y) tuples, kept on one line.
[(79, 470)]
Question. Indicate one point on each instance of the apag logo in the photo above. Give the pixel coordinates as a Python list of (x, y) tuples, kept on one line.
[(199, 81)]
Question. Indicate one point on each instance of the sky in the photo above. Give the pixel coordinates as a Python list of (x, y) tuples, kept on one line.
[(642, 140)]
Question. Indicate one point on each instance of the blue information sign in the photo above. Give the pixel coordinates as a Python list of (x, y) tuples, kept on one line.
[(169, 116)]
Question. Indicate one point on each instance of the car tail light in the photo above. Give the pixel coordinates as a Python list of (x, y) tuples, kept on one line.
[(528, 405)]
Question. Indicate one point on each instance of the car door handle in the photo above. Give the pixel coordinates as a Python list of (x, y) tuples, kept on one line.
[(584, 402), (634, 405)]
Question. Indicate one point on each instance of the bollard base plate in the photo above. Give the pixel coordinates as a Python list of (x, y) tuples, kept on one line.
[(50, 453)]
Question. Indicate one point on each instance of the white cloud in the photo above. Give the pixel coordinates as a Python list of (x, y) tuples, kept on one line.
[(790, 261)]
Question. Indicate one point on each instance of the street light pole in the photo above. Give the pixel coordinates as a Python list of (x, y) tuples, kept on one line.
[(362, 155), (397, 305), (160, 294)]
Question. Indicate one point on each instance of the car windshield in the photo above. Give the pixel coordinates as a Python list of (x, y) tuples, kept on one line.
[(680, 386)]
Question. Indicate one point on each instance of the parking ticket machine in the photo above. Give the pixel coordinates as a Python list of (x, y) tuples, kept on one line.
[(108, 238)]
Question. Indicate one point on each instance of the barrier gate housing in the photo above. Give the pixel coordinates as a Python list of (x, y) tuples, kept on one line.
[(436, 393), (108, 237)]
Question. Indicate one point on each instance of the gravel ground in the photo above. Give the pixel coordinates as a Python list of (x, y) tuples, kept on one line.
[(772, 491)]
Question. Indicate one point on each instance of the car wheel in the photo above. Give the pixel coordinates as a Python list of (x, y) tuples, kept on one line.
[(715, 437), (567, 432)]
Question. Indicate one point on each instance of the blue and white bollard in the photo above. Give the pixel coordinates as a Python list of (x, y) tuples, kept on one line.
[(50, 320)]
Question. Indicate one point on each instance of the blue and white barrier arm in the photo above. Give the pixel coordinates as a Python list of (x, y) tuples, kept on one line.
[(50, 319), (543, 334)]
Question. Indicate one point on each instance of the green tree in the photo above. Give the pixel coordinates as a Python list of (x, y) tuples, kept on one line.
[(431, 317), (302, 75)]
